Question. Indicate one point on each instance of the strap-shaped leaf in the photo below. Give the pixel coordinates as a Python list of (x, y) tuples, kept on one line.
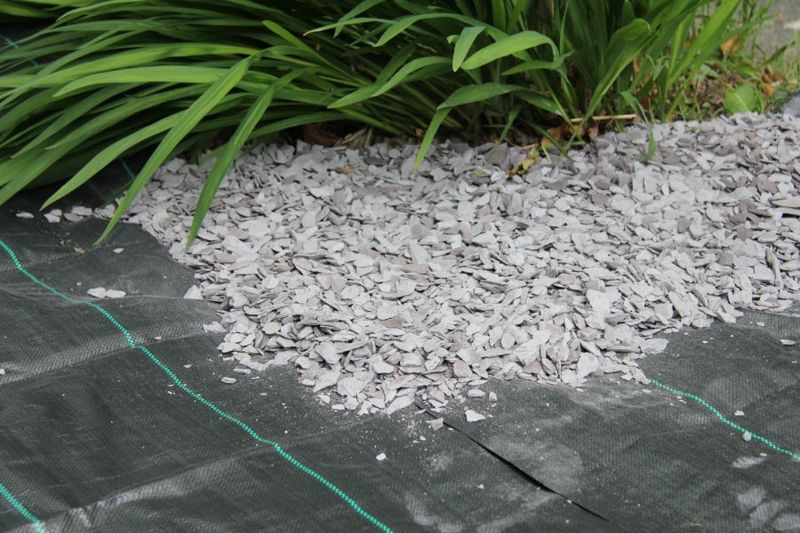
[(361, 7), (74, 112), (408, 69), (625, 44), (140, 75), (188, 120), (507, 46), (477, 93), (110, 154), (430, 134), (465, 41), (231, 150)]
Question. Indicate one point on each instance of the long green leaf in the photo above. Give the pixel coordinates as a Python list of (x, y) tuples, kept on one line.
[(73, 113), (507, 46), (35, 102), (530, 66), (231, 150), (226, 158), (19, 172), (189, 120), (430, 134), (399, 26), (110, 154), (477, 93), (132, 58), (365, 93), (120, 112), (139, 75), (637, 107), (359, 95), (625, 45), (465, 41), (407, 70), (361, 7), (707, 41)]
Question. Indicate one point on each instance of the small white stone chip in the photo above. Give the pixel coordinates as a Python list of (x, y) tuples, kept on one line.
[(436, 423), (214, 327), (747, 436), (97, 292), (738, 413), (118, 250), (788, 342), (114, 293), (382, 367), (24, 214), (100, 292), (473, 416), (193, 293), (228, 380), (398, 403), (380, 457)]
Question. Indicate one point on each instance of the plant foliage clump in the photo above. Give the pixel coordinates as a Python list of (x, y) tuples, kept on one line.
[(105, 79)]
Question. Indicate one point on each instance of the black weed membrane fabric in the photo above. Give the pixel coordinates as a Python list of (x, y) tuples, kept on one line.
[(113, 418)]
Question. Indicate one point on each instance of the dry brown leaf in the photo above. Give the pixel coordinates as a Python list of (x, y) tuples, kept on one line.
[(729, 46), (771, 76)]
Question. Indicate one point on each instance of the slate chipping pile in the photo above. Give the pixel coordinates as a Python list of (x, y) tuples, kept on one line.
[(382, 286)]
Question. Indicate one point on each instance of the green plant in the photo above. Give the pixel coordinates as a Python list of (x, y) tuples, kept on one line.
[(114, 77), (111, 77), (743, 98), (36, 9)]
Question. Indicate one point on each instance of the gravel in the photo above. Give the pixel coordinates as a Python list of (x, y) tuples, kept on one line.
[(383, 286), (103, 293), (473, 416)]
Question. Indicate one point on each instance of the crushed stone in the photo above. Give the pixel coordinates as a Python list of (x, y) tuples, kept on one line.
[(473, 416), (194, 293), (103, 293), (384, 287), (53, 216)]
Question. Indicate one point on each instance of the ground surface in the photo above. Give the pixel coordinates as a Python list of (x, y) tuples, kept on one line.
[(98, 436)]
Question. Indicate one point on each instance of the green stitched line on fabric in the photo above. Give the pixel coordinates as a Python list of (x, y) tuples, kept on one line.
[(196, 396), (716, 412), (21, 509)]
